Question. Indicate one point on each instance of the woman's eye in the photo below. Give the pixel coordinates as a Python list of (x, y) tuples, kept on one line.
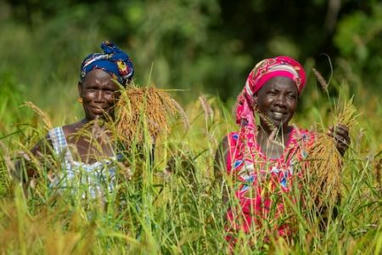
[(273, 93), (110, 92)]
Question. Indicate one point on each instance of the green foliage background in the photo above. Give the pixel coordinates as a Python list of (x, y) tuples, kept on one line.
[(191, 44), (198, 46)]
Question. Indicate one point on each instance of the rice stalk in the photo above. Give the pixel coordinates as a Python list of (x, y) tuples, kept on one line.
[(325, 162), (182, 113), (324, 175), (41, 114), (145, 107), (275, 131), (347, 114), (321, 80), (378, 171), (208, 112)]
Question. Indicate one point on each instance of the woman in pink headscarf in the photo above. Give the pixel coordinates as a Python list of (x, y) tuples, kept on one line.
[(266, 155)]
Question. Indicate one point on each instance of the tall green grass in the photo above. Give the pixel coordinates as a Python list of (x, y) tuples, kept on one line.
[(174, 206)]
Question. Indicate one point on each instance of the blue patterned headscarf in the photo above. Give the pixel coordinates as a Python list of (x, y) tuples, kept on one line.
[(113, 61)]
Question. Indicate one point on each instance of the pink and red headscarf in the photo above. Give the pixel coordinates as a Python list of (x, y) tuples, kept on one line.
[(258, 77)]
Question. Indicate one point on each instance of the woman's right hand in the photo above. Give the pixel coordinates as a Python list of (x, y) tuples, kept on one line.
[(340, 134)]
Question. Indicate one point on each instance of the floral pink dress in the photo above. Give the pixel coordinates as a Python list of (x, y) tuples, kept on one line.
[(259, 181)]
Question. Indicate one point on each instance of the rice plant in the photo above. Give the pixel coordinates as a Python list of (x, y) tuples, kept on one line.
[(171, 204)]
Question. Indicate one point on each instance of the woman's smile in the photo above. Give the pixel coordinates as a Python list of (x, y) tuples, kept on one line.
[(98, 109), (278, 115)]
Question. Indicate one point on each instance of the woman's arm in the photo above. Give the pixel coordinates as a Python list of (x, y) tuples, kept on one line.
[(26, 165)]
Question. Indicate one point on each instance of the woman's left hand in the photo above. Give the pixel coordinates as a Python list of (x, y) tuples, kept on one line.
[(340, 134)]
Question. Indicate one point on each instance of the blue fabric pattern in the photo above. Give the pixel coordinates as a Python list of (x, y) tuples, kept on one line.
[(237, 163), (113, 61)]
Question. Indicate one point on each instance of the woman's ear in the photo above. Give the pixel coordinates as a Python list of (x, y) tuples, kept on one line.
[(255, 98), (254, 101), (79, 86)]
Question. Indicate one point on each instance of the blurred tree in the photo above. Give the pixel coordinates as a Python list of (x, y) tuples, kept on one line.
[(192, 44), (358, 41)]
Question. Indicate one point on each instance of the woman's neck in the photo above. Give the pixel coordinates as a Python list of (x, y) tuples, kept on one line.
[(91, 139), (273, 141), (272, 132), (94, 128)]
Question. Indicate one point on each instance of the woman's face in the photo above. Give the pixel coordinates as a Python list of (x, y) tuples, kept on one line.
[(277, 100), (99, 94)]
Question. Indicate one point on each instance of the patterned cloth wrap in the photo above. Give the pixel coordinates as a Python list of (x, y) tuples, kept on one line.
[(259, 180), (84, 180), (113, 61)]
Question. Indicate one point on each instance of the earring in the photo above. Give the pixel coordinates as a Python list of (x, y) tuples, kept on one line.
[(79, 100)]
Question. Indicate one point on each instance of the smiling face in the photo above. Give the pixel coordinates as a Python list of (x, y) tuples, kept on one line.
[(277, 100), (99, 94)]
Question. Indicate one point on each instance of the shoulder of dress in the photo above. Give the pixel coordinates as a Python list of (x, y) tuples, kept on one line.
[(54, 128), (55, 131)]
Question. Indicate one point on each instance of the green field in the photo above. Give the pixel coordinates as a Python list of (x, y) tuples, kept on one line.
[(181, 211)]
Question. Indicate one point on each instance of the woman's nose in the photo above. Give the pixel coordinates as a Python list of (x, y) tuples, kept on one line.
[(281, 99), (99, 95)]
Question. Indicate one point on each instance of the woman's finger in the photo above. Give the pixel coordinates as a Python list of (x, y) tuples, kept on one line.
[(343, 127), (342, 139), (344, 132), (330, 132)]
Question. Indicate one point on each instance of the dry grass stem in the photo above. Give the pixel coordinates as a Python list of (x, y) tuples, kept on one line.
[(321, 79), (44, 117), (181, 113), (208, 112)]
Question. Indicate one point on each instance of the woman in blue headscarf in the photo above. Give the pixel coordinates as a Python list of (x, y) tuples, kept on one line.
[(86, 148)]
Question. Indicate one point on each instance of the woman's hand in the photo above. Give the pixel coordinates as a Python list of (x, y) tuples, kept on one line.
[(340, 134)]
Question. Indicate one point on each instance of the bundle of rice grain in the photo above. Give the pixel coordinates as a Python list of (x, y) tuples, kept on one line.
[(325, 163), (140, 109)]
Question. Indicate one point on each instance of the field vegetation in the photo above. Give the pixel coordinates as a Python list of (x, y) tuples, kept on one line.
[(174, 205)]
